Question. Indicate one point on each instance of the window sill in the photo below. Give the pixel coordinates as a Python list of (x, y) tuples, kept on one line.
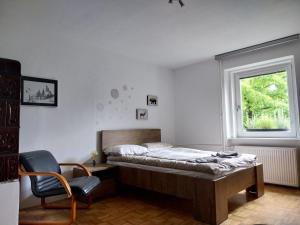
[(287, 142)]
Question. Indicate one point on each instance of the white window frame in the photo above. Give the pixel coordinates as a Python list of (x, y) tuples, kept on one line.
[(232, 98)]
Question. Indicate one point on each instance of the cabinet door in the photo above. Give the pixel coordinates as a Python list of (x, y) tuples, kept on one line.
[(12, 162), (9, 167), (2, 113), (9, 140), (12, 113), (9, 87)]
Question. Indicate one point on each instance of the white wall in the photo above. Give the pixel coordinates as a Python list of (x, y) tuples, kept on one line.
[(198, 106), (85, 77), (198, 96), (9, 195)]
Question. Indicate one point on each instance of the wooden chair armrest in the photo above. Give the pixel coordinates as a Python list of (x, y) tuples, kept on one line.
[(86, 171), (58, 176)]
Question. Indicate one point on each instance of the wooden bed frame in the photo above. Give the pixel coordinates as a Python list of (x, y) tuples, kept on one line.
[(209, 195)]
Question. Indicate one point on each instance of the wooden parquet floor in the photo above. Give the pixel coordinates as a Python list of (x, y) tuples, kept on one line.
[(279, 206)]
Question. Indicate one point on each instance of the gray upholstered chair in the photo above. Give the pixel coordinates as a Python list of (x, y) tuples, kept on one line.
[(47, 181)]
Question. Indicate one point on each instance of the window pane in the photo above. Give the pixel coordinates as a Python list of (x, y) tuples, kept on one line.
[(265, 102)]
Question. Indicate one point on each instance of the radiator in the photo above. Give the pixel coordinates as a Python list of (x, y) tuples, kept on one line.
[(280, 164)]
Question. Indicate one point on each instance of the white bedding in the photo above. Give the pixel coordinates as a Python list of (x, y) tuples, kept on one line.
[(194, 155), (189, 159), (181, 154)]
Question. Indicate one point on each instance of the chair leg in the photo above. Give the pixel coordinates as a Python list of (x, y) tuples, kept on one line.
[(71, 219), (90, 201), (73, 209)]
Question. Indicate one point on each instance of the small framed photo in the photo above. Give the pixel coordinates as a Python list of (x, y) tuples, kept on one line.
[(141, 114), (152, 100), (38, 91)]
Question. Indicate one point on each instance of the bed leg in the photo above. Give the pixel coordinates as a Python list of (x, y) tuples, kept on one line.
[(258, 188), (210, 203)]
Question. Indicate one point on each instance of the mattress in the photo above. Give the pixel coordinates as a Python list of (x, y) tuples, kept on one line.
[(186, 159)]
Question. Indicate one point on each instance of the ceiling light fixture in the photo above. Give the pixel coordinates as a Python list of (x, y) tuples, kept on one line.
[(179, 1)]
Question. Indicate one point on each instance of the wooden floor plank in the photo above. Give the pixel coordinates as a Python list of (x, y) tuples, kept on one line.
[(279, 206)]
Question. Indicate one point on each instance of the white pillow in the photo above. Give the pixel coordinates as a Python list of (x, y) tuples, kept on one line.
[(118, 150), (157, 145)]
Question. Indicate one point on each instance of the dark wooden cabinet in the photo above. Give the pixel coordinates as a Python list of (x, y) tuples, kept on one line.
[(10, 72)]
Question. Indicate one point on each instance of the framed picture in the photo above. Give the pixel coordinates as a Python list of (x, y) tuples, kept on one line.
[(141, 114), (38, 91), (152, 100)]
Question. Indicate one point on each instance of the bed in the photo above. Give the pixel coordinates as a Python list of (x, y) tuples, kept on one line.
[(208, 193)]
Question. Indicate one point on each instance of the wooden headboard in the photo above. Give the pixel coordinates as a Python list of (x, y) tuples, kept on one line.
[(134, 136)]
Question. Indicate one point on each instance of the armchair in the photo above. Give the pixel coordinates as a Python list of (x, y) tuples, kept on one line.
[(46, 181)]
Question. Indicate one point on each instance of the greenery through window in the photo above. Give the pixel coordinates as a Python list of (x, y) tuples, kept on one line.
[(265, 102)]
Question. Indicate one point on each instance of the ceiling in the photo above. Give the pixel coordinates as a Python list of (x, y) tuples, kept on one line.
[(159, 33)]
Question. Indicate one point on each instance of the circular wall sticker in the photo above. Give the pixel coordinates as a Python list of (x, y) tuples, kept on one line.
[(114, 93), (100, 107)]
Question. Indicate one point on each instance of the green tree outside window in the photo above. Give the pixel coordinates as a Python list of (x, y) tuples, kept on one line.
[(265, 102)]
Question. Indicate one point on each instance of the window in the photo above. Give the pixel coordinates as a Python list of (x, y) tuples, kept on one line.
[(261, 100)]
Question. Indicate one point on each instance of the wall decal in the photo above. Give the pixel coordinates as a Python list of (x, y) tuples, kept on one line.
[(152, 100), (116, 104), (114, 93), (141, 114), (100, 107)]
